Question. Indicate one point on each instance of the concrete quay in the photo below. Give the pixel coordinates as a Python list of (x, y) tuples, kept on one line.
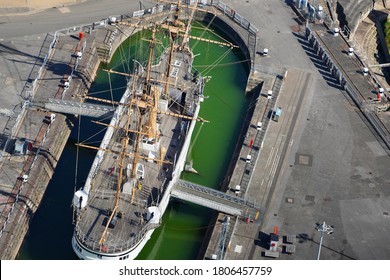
[(25, 175), (321, 162)]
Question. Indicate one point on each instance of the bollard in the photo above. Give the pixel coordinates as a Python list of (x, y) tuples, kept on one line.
[(251, 143)]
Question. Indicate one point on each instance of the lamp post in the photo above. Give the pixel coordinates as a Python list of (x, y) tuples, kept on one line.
[(323, 228)]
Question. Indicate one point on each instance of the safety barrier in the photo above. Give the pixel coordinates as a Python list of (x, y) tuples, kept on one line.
[(230, 12)]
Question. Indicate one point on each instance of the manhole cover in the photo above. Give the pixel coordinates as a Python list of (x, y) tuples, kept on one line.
[(310, 198), (302, 159)]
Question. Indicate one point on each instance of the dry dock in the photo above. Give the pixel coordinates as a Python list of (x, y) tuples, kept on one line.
[(323, 159)]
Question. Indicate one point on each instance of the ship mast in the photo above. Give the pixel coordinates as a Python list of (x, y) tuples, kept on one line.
[(145, 96), (172, 41), (188, 27), (150, 58), (174, 33), (125, 142)]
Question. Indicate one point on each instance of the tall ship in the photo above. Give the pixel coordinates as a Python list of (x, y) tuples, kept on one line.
[(143, 151)]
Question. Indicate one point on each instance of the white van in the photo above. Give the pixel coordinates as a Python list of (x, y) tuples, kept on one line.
[(259, 126)]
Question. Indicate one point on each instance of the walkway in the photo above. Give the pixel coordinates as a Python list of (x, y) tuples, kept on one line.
[(217, 200)]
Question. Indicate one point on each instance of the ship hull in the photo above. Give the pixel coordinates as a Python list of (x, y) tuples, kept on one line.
[(141, 156), (86, 254)]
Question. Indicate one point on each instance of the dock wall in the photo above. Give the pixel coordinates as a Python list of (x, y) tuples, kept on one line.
[(31, 193), (40, 163)]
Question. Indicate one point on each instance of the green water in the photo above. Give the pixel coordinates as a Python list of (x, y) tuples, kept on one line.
[(184, 224)]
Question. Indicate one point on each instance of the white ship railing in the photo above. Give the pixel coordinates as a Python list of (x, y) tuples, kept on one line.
[(109, 248)]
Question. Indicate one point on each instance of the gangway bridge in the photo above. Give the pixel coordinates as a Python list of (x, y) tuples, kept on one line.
[(76, 108), (216, 200)]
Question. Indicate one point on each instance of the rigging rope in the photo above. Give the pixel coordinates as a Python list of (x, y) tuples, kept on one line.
[(76, 167), (124, 59), (84, 142), (223, 64), (213, 65), (204, 31), (196, 137), (104, 91), (109, 82)]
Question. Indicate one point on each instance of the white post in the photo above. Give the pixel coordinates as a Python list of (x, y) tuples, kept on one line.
[(323, 228), (319, 248)]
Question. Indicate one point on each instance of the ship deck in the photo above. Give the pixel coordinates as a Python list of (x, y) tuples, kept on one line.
[(137, 195)]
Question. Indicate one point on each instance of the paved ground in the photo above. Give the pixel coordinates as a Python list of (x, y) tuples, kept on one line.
[(53, 19), (334, 169), (345, 183), (33, 5)]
